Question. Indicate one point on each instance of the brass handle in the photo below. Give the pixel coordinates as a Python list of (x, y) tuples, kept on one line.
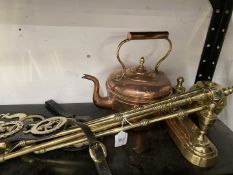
[(147, 35), (144, 36)]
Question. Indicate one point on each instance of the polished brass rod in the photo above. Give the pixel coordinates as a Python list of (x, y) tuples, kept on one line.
[(63, 137), (124, 128), (169, 99), (147, 109), (110, 121), (63, 140)]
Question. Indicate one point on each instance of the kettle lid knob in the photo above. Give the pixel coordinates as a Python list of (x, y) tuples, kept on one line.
[(141, 61), (179, 87)]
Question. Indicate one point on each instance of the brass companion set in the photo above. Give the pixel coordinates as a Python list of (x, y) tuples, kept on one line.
[(141, 97)]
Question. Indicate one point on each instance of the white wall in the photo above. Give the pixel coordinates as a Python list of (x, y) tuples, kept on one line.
[(46, 45)]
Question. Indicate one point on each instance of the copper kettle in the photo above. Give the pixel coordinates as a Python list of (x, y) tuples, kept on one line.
[(134, 86)]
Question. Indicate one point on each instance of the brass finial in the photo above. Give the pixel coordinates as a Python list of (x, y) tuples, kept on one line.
[(180, 81), (142, 61), (179, 86), (228, 91)]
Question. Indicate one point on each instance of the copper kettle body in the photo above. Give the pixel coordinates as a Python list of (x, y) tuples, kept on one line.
[(134, 86)]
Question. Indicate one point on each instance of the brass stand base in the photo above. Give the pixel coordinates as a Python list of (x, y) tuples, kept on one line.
[(198, 150)]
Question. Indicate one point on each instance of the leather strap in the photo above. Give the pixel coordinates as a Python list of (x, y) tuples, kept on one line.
[(56, 109), (96, 149)]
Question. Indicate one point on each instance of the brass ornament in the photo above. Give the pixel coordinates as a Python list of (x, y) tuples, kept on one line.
[(20, 116), (9, 128), (33, 118), (48, 125)]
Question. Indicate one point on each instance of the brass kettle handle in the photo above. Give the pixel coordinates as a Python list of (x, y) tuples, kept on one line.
[(143, 36)]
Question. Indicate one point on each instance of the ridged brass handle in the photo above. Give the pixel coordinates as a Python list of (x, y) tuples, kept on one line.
[(145, 36)]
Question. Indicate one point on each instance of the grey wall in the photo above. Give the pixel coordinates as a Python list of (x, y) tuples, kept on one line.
[(46, 45)]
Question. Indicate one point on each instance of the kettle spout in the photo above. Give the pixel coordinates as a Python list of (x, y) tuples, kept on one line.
[(97, 99)]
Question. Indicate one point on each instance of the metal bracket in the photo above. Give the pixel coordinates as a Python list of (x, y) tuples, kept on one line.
[(222, 11)]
